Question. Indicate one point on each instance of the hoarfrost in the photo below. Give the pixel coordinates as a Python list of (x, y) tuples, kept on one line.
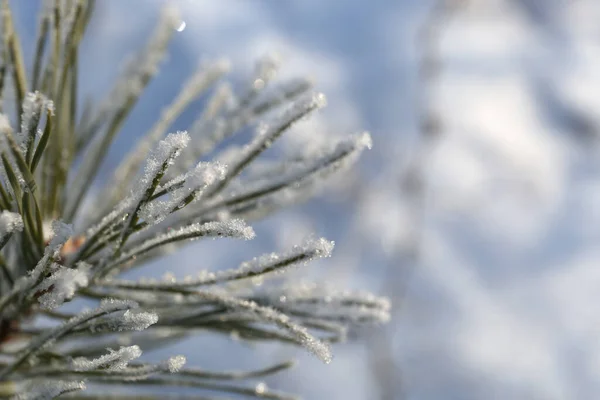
[(268, 133), (33, 105), (47, 389), (165, 152), (308, 251), (10, 222), (233, 228), (318, 348), (59, 233), (130, 320), (176, 363), (137, 320), (193, 184), (62, 284), (113, 361)]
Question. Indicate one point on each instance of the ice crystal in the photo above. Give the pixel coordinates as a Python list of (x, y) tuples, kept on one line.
[(176, 363), (48, 389), (10, 222), (62, 284), (114, 360)]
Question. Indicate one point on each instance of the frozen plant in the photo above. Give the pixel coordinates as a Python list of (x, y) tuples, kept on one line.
[(59, 243)]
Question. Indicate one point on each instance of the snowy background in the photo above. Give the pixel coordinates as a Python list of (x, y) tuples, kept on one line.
[(504, 302)]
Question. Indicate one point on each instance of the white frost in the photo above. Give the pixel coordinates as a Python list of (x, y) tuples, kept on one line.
[(176, 363), (309, 250), (62, 284), (166, 151), (268, 133), (57, 236), (320, 349), (128, 320), (137, 320), (195, 181), (113, 361), (47, 389), (10, 222), (233, 229)]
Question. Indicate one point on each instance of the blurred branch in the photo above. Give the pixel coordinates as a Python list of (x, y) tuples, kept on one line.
[(412, 182)]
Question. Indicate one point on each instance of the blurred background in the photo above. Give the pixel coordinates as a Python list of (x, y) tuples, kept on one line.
[(477, 211)]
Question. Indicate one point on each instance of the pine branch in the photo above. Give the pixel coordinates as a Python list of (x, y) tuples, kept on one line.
[(50, 156)]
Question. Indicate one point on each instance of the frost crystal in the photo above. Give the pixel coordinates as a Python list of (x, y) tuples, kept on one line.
[(47, 389), (261, 388), (62, 284), (113, 361), (23, 286), (320, 349), (332, 304), (10, 222), (191, 184), (128, 320), (309, 250), (58, 235), (267, 134), (176, 363), (32, 110), (234, 229), (165, 152), (137, 320)]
